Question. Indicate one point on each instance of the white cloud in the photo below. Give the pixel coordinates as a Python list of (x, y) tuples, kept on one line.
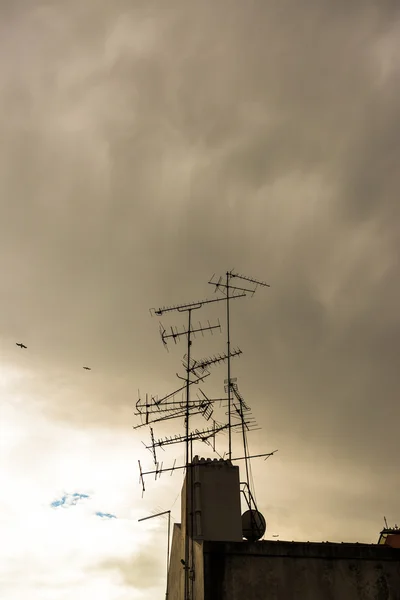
[(55, 552)]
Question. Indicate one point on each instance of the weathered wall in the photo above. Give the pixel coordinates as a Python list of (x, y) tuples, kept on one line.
[(175, 571), (300, 571), (198, 591)]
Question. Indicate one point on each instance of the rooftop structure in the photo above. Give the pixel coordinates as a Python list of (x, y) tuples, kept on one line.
[(216, 552), (228, 568)]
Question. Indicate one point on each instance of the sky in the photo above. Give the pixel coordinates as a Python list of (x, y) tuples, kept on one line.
[(144, 146)]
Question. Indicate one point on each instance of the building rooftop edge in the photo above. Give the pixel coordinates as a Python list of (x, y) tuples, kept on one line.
[(211, 461), (293, 549)]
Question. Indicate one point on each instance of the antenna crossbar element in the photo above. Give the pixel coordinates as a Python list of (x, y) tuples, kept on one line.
[(234, 387), (249, 279), (185, 307), (207, 410), (141, 478), (193, 436), (221, 286), (156, 408), (153, 447), (175, 407), (176, 335), (264, 455), (183, 387), (196, 407), (208, 362)]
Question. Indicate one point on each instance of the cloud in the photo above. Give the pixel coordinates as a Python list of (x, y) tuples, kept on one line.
[(145, 148), (52, 550), (144, 572)]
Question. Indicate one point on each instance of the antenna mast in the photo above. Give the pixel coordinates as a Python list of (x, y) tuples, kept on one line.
[(225, 288), (228, 330), (168, 407), (176, 335)]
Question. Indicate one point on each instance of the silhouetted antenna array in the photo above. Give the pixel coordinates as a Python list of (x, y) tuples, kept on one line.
[(242, 411), (172, 405), (198, 379), (221, 286), (224, 285), (176, 335), (153, 413), (235, 390), (185, 307), (208, 362), (201, 435), (141, 478), (152, 446), (256, 282), (158, 471)]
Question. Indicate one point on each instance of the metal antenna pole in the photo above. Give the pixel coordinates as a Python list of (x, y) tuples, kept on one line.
[(238, 291), (229, 366), (160, 409), (246, 460), (187, 457), (189, 343), (165, 512), (168, 550), (191, 594)]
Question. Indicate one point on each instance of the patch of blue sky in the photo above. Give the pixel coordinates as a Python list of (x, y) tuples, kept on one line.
[(76, 497), (69, 500), (59, 502)]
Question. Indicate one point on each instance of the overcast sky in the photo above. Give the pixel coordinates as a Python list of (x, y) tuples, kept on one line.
[(144, 146)]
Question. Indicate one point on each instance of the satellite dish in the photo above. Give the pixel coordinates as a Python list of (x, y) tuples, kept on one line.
[(253, 525)]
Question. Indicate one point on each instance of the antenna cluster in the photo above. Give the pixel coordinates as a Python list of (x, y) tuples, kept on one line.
[(180, 404)]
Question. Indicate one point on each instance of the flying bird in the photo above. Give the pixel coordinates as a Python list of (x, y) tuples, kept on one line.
[(87, 368), (20, 345)]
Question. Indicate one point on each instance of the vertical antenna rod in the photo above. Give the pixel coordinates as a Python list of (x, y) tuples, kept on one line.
[(189, 343), (188, 562), (245, 450), (225, 288), (187, 457), (229, 367)]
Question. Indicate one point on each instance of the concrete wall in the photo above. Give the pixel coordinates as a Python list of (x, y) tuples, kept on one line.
[(175, 571), (300, 571), (198, 583)]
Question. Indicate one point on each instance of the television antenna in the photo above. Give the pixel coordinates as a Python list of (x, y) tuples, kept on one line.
[(224, 286), (236, 403), (173, 405), (188, 332)]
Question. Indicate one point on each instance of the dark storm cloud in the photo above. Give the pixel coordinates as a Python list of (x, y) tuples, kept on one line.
[(144, 148)]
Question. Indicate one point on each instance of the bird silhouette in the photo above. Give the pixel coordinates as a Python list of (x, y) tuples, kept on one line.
[(20, 345), (87, 368)]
